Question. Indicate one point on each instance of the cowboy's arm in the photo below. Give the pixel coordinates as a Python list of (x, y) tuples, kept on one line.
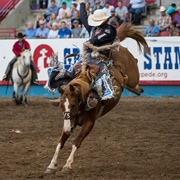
[(27, 45), (15, 49), (84, 17)]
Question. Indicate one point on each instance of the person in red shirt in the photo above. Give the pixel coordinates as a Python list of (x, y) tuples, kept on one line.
[(18, 48)]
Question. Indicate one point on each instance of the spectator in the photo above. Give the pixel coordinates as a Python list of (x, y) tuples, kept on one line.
[(88, 7), (76, 17), (57, 3), (102, 3), (164, 20), (68, 3), (126, 3), (136, 10), (176, 18), (171, 9), (113, 3), (38, 18), (66, 19), (53, 33), (152, 29), (173, 29), (107, 8), (73, 9), (76, 30), (52, 9), (114, 20), (122, 12), (77, 4), (43, 4), (53, 19), (30, 31), (84, 33), (64, 32), (64, 8), (42, 32), (97, 5), (92, 4)]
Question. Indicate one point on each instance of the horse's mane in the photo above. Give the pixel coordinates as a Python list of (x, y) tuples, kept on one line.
[(19, 59), (82, 85), (126, 30)]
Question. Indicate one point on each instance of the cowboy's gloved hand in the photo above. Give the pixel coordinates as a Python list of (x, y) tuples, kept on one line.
[(86, 45)]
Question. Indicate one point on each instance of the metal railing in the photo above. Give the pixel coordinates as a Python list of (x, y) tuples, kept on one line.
[(7, 8), (7, 33)]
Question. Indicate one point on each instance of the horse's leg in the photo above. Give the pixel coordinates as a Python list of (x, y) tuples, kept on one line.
[(25, 89), (16, 93), (85, 130), (53, 165)]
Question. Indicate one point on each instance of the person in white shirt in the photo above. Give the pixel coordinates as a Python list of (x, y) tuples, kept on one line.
[(64, 8), (136, 10), (122, 12), (53, 33), (107, 8)]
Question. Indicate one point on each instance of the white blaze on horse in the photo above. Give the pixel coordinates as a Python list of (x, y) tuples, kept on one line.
[(21, 76), (124, 74)]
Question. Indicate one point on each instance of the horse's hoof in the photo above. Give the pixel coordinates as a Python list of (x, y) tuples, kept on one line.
[(50, 171), (66, 170)]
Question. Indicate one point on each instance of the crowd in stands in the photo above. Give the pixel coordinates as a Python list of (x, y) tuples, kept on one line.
[(167, 24), (61, 18)]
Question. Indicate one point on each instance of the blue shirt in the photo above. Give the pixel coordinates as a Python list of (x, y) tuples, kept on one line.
[(30, 33), (51, 10), (154, 30), (42, 32), (64, 32)]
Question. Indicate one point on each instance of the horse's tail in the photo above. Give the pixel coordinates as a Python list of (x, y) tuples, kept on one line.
[(126, 30)]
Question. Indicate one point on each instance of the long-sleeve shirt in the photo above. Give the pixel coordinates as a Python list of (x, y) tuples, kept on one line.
[(163, 22), (100, 35), (19, 46)]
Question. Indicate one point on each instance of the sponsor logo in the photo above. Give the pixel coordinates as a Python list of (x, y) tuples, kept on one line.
[(41, 55)]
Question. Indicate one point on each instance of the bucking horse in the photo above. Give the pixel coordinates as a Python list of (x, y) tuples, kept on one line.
[(124, 74)]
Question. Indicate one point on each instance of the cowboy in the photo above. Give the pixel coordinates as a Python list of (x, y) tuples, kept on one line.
[(101, 34), (18, 48)]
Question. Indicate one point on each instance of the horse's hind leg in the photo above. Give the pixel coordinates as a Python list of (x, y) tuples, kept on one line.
[(53, 165), (85, 130)]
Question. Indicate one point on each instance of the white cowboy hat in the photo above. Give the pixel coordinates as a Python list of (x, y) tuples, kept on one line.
[(97, 18), (162, 8)]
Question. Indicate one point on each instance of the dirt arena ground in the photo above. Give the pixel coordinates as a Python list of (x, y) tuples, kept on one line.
[(138, 139)]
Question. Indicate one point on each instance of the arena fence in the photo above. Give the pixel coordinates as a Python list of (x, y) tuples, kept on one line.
[(7, 33)]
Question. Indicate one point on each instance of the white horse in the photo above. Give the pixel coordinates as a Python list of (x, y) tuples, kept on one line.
[(21, 76)]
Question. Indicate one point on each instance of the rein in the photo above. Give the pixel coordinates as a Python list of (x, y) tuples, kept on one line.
[(23, 77)]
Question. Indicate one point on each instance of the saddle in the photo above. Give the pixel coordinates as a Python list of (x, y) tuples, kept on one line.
[(93, 69)]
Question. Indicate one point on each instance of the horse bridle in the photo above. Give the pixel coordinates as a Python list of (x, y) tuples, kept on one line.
[(69, 115)]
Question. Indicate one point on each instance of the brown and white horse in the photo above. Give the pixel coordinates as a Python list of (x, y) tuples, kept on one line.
[(73, 97)]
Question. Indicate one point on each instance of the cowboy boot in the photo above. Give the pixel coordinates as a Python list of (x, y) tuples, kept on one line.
[(34, 74), (62, 74), (8, 69), (92, 100)]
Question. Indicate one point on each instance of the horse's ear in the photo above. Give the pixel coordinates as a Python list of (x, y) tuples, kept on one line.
[(71, 87), (60, 90)]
